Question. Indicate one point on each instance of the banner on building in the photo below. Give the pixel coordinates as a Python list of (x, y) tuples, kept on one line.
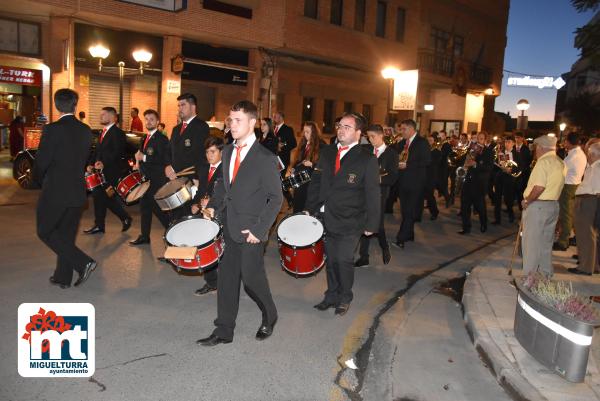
[(20, 76), (405, 90)]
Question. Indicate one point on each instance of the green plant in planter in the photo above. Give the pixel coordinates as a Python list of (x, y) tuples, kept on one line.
[(561, 296)]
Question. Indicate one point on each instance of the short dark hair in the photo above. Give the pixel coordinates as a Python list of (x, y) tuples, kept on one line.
[(247, 107), (66, 100), (359, 120), (152, 111), (189, 97), (410, 123), (519, 134), (214, 141), (509, 138), (375, 128), (163, 125), (82, 114), (111, 110), (573, 138), (137, 111)]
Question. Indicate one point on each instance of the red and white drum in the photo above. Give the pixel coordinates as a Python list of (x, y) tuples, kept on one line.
[(132, 187), (194, 231), (94, 180), (301, 246)]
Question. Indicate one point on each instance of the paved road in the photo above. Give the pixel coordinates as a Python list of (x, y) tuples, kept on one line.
[(147, 319)]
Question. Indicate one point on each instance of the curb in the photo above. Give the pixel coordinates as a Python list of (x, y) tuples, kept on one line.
[(507, 375)]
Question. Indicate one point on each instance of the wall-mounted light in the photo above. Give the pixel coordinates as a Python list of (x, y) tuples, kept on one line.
[(142, 56), (428, 107), (100, 52), (489, 91)]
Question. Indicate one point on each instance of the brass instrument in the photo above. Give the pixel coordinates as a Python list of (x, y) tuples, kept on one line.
[(403, 157), (508, 166), (458, 152), (474, 150), (437, 145)]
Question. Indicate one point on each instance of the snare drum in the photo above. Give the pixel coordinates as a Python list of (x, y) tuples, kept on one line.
[(94, 180), (301, 246), (132, 187), (295, 180), (193, 231), (174, 193)]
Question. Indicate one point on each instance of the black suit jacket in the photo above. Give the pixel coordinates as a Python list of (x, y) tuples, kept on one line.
[(446, 151), (270, 142), (387, 161), (352, 196), (484, 165), (253, 201), (111, 152), (156, 155), (60, 163), (525, 157), (206, 187), (186, 149), (414, 176), (286, 134)]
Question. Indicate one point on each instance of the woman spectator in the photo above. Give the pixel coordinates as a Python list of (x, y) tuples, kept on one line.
[(267, 137), (16, 136), (305, 158)]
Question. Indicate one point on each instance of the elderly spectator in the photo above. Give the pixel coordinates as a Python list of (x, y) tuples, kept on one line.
[(575, 162), (540, 206), (586, 207)]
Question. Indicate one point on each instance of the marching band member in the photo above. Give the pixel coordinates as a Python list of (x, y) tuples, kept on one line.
[(345, 190), (267, 137), (444, 167), (305, 158), (525, 157), (150, 161), (387, 158), (208, 174), (110, 152), (247, 200), (505, 183)]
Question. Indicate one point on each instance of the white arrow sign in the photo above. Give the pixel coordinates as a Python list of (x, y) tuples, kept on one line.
[(559, 83), (536, 82)]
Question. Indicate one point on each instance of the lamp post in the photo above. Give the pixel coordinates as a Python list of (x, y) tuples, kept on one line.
[(522, 105), (140, 56), (562, 127), (389, 73)]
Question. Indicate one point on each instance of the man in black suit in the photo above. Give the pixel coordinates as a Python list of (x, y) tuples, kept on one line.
[(247, 201), (412, 178), (431, 183), (344, 190), (505, 185), (287, 143), (150, 160), (476, 182), (186, 146), (208, 175), (444, 167), (59, 168), (525, 157), (110, 154), (387, 158)]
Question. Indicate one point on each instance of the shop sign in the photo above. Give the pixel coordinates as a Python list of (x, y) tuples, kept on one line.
[(405, 90), (20, 76), (173, 86)]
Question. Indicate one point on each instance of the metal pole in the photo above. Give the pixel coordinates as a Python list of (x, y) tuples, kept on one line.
[(390, 100), (121, 76)]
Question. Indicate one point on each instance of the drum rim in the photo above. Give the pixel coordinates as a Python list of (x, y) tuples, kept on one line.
[(192, 217), (279, 240), (185, 184), (294, 273), (138, 184)]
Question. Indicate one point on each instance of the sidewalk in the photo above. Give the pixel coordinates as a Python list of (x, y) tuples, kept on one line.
[(489, 309)]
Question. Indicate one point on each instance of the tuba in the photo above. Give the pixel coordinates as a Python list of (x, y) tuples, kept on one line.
[(474, 150), (508, 166)]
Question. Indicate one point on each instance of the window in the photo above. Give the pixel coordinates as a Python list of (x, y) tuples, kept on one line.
[(440, 40), (400, 24), (359, 15), (308, 105), (348, 106), (311, 9), (226, 8), (381, 15), (458, 46), (367, 112), (336, 11), (328, 115)]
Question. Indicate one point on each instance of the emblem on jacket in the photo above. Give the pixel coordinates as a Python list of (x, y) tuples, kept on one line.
[(351, 178), (149, 151), (188, 143)]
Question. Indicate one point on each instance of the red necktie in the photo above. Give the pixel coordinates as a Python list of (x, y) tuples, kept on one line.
[(183, 127), (238, 157), (276, 129), (337, 158), (102, 135), (211, 171), (376, 152), (146, 141), (406, 145), (306, 150)]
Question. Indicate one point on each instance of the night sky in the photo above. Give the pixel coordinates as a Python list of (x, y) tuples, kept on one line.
[(540, 42)]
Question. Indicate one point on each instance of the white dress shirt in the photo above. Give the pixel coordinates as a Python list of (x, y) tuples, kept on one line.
[(150, 133), (342, 154), (591, 180), (575, 162), (380, 150), (249, 142)]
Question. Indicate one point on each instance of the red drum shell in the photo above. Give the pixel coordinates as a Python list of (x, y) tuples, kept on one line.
[(93, 180), (302, 261), (128, 184)]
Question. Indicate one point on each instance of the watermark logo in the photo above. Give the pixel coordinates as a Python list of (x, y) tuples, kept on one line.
[(56, 339)]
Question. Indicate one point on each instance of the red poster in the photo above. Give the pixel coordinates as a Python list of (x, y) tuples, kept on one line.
[(20, 76)]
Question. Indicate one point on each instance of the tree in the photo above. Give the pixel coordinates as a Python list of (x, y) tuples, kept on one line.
[(587, 37), (584, 111)]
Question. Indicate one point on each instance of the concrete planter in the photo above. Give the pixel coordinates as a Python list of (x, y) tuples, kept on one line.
[(558, 341)]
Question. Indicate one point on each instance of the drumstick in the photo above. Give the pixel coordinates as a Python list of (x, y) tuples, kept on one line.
[(182, 173), (187, 169)]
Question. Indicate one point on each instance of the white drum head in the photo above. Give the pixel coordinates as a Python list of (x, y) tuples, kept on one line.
[(300, 230), (170, 187), (192, 232), (137, 192)]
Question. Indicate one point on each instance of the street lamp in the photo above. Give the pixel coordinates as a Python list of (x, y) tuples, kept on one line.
[(390, 73), (522, 105), (489, 91), (562, 127), (100, 52), (142, 56)]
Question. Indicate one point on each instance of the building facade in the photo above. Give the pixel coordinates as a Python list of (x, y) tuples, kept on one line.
[(311, 59)]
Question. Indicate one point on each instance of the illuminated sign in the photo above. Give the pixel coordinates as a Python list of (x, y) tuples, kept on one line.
[(405, 90), (20, 76), (536, 82)]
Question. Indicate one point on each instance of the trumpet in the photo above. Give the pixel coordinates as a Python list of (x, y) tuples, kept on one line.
[(508, 166), (402, 158)]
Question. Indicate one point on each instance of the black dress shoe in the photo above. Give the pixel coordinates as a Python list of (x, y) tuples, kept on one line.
[(140, 240), (483, 228), (126, 224), (361, 262), (265, 331), (398, 244), (85, 274), (61, 285), (464, 232), (576, 270), (324, 305), (212, 340), (387, 256), (205, 290), (341, 309), (94, 230)]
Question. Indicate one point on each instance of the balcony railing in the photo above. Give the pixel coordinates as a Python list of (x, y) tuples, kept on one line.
[(443, 64)]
